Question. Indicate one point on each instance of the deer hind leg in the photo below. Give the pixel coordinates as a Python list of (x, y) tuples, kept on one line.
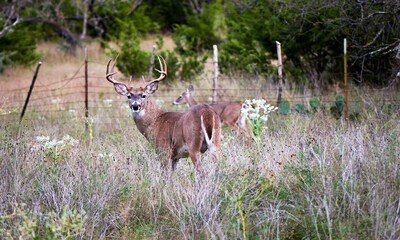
[(213, 142), (195, 156), (174, 162)]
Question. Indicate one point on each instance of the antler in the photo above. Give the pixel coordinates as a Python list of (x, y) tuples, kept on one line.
[(163, 73), (110, 75), (110, 72)]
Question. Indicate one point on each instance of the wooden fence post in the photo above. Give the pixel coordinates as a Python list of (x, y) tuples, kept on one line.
[(86, 91), (30, 91), (280, 78), (345, 110), (215, 80), (151, 63)]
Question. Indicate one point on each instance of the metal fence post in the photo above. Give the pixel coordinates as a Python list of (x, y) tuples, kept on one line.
[(86, 91), (346, 92), (30, 91)]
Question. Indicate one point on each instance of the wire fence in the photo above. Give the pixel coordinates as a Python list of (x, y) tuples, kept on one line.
[(67, 95)]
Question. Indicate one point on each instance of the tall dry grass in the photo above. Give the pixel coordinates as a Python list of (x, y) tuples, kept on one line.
[(310, 177)]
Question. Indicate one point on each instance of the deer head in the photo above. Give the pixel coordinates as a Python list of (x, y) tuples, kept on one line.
[(186, 97), (137, 97)]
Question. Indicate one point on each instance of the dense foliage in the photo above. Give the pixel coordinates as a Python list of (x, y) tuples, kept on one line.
[(311, 34)]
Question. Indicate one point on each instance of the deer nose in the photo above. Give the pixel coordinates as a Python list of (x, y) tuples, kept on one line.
[(135, 107)]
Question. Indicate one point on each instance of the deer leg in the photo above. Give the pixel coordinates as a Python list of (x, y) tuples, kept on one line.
[(233, 126), (195, 160), (174, 162)]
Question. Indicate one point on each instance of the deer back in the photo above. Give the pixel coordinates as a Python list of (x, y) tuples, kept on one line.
[(228, 111)]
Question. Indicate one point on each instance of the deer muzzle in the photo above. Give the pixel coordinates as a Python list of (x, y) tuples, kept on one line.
[(136, 107)]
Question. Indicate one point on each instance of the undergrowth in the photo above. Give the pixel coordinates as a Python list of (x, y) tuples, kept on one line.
[(308, 177)]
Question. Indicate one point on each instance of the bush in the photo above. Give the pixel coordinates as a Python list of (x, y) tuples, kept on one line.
[(314, 104), (300, 108), (339, 103), (173, 65), (24, 54), (202, 31), (191, 66), (284, 106), (132, 61)]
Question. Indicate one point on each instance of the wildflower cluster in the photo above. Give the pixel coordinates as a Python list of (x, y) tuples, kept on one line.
[(257, 112), (55, 148)]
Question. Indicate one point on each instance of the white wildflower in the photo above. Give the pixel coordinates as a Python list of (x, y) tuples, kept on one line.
[(264, 118), (55, 100), (42, 138), (254, 115), (107, 102)]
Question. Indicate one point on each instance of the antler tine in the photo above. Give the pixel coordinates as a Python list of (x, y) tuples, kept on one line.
[(109, 75), (163, 73)]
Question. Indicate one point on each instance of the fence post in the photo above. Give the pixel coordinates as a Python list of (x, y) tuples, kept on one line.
[(151, 63), (215, 80), (86, 91), (280, 66), (345, 79), (30, 91)]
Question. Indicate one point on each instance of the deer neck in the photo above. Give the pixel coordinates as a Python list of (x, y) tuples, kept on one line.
[(190, 100), (145, 120)]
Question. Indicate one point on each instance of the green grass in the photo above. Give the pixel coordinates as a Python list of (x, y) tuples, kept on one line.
[(309, 177)]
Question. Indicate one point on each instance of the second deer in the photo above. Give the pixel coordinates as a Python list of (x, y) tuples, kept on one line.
[(229, 112)]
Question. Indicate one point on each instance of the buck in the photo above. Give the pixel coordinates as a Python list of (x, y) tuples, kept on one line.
[(177, 134), (229, 112)]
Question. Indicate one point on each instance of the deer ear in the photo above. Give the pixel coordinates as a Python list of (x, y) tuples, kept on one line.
[(190, 88), (121, 89), (152, 87)]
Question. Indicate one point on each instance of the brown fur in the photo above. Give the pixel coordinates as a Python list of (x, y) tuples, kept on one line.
[(178, 134), (229, 112)]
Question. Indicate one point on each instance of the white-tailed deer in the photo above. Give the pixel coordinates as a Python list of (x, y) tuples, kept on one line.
[(179, 135), (229, 112)]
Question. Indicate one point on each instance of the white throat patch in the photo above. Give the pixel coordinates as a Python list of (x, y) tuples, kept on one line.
[(138, 114)]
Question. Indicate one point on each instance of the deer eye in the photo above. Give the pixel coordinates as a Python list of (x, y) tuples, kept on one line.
[(143, 95), (129, 96)]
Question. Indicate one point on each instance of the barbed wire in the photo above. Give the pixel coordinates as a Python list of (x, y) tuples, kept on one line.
[(55, 97)]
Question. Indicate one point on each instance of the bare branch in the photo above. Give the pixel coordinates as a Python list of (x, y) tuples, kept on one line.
[(135, 4), (8, 28)]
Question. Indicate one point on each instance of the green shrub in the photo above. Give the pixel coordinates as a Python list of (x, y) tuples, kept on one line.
[(300, 108), (284, 106), (132, 61), (18, 48), (202, 31), (314, 104), (191, 66), (24, 223), (337, 110), (173, 65), (339, 102)]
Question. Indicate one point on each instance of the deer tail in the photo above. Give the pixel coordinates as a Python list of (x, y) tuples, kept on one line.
[(208, 140)]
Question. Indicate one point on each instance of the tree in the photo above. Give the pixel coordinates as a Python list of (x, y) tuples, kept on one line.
[(312, 33)]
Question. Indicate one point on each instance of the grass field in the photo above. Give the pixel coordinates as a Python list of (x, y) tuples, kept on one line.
[(311, 176)]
